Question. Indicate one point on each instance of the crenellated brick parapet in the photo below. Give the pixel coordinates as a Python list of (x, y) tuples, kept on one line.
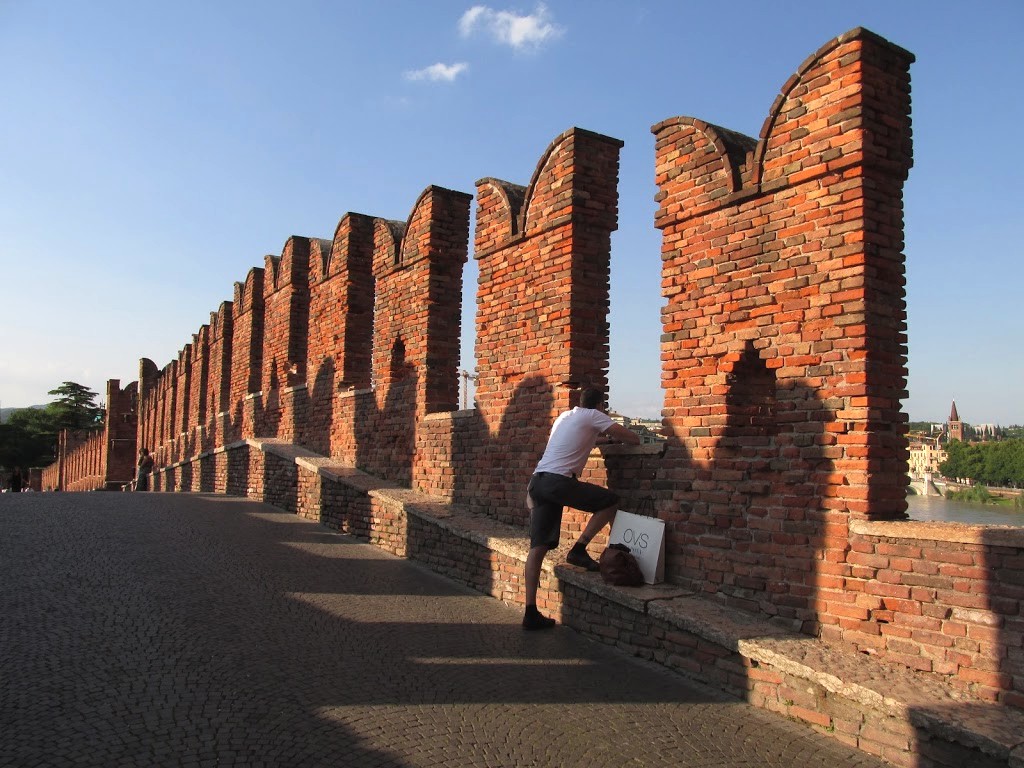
[(181, 409), (101, 459), (542, 305), (246, 352), (120, 430), (417, 269), (286, 316), (544, 254), (149, 404), (340, 338), (167, 401), (198, 390), (785, 327), (218, 380)]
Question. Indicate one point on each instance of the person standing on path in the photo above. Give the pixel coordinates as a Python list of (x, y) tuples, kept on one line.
[(554, 486), (145, 470)]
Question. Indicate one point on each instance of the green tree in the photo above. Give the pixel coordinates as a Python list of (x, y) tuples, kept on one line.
[(29, 436), (994, 463), (75, 407), (28, 439), (1015, 459), (955, 464), (995, 469)]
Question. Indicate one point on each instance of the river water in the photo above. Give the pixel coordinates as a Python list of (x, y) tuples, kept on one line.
[(933, 508)]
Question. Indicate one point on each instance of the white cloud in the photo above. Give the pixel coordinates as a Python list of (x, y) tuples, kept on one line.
[(438, 72), (520, 32)]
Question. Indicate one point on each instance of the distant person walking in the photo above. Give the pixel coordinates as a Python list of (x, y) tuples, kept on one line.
[(144, 471), (554, 486), (17, 481)]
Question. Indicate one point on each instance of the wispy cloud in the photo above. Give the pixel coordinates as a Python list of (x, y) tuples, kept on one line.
[(438, 72), (508, 28)]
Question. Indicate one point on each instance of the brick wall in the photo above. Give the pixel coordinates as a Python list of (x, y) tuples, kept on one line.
[(166, 399), (285, 328), (49, 477), (182, 400), (542, 305), (218, 381), (246, 351), (783, 364), (99, 459), (417, 269), (121, 434), (785, 330), (340, 333), (941, 598), (82, 455), (198, 389), (148, 406)]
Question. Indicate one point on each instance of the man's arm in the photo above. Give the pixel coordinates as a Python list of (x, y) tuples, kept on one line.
[(621, 434)]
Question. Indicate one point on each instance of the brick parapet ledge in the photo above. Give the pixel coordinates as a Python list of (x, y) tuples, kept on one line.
[(954, 533), (943, 598), (743, 654), (905, 716)]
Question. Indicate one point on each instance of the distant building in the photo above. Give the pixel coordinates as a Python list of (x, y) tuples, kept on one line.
[(649, 430), (986, 431), (925, 457)]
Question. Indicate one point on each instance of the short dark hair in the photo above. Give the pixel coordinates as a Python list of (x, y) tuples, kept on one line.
[(592, 397)]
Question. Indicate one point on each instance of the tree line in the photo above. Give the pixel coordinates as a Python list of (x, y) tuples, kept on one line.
[(998, 463), (28, 436)]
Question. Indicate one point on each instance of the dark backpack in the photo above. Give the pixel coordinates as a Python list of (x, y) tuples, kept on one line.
[(619, 567)]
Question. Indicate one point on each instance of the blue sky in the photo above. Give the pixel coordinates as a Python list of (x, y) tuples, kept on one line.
[(152, 153)]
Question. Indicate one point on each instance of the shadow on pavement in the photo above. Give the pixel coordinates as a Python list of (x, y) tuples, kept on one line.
[(191, 630)]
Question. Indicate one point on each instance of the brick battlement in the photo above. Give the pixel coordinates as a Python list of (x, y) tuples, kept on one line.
[(783, 355)]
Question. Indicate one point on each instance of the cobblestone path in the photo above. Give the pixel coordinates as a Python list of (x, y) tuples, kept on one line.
[(194, 630)]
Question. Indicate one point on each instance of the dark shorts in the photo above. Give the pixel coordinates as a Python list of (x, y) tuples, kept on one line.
[(551, 493)]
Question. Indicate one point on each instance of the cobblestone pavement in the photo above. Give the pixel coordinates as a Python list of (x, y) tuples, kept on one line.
[(194, 630)]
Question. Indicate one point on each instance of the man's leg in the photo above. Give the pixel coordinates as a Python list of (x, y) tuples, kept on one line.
[(578, 555), (597, 522), (533, 618), (534, 562)]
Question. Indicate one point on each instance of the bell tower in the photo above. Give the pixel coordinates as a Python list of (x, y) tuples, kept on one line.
[(956, 427)]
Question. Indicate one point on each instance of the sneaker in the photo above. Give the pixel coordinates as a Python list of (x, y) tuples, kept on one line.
[(578, 556), (536, 620)]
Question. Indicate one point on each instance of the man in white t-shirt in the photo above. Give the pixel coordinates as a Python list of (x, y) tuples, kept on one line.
[(554, 486)]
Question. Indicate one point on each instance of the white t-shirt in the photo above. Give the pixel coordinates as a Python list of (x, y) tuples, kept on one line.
[(573, 436)]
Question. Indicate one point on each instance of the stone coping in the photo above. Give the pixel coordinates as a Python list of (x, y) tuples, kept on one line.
[(283, 449), (919, 698), (954, 533), (203, 455), (450, 415), (353, 392)]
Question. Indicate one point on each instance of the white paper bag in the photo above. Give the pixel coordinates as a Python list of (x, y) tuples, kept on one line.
[(645, 537)]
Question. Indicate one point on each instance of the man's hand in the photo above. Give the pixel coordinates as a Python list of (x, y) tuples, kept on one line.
[(620, 434)]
